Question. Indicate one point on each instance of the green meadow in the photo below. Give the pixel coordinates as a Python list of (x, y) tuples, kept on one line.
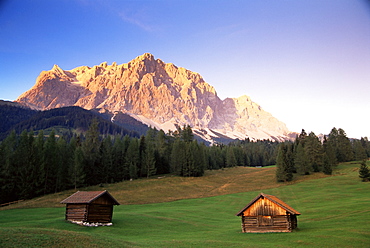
[(200, 212)]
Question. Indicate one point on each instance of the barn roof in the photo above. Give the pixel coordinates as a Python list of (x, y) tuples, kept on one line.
[(275, 200), (88, 197)]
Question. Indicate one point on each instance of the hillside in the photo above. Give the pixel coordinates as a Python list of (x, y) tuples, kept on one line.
[(333, 208), (65, 120), (168, 188)]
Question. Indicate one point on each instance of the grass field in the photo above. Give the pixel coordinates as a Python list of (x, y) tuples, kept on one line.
[(200, 212)]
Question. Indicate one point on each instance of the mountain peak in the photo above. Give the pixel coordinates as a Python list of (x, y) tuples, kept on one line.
[(56, 68), (156, 93), (145, 56)]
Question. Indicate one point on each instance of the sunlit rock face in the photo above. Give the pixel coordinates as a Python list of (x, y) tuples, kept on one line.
[(159, 94)]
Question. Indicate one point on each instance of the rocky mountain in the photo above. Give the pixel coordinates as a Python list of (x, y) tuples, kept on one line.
[(156, 93)]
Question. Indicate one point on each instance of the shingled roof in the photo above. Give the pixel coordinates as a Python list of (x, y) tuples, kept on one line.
[(87, 197), (273, 199)]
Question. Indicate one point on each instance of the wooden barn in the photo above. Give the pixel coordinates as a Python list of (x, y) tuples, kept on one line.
[(90, 206), (267, 213)]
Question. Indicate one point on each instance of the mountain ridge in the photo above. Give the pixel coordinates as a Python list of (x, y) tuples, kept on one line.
[(156, 93)]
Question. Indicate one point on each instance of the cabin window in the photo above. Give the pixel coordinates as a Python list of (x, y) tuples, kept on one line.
[(264, 220)]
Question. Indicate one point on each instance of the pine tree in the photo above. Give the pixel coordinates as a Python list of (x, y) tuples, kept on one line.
[(107, 172), (23, 166), (314, 152), (359, 150), (301, 161), (283, 164), (76, 170), (344, 148), (163, 152), (327, 166), (63, 160), (118, 160), (149, 158), (50, 163), (187, 134), (91, 150), (8, 182), (178, 157), (364, 172), (38, 163), (366, 145), (230, 157), (330, 157), (133, 158)]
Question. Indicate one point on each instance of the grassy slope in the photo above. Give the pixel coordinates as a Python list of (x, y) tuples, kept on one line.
[(335, 213)]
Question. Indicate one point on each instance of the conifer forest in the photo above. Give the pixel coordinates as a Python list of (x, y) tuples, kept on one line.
[(34, 164)]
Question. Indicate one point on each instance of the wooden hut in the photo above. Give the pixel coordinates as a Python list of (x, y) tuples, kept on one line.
[(90, 206), (267, 213)]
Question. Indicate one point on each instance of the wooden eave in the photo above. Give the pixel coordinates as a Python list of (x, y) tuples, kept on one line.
[(87, 197), (272, 198)]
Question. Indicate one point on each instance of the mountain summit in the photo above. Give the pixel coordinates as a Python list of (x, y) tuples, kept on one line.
[(156, 93)]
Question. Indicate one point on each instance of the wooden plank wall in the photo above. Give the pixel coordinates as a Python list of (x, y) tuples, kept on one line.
[(260, 223), (77, 212), (100, 213), (103, 200), (264, 207)]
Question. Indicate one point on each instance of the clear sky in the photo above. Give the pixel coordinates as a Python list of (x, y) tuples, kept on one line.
[(307, 62)]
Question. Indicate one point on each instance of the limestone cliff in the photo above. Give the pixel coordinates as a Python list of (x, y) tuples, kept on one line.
[(159, 94)]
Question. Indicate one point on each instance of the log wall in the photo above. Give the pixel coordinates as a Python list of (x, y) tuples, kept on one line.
[(76, 212), (265, 207), (279, 223), (100, 213), (266, 216)]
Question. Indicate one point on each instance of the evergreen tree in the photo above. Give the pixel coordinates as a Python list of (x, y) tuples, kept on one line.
[(329, 157), (149, 154), (107, 173), (118, 160), (359, 150), (163, 152), (301, 162), (344, 148), (327, 166), (63, 161), (133, 158), (76, 169), (215, 158), (38, 174), (364, 172), (178, 157), (366, 145), (142, 148), (91, 150), (289, 158), (23, 166), (50, 162), (283, 164), (314, 152), (230, 157), (9, 191), (187, 134)]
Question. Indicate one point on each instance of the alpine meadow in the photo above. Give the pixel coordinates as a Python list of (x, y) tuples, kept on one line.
[(200, 212), (176, 124)]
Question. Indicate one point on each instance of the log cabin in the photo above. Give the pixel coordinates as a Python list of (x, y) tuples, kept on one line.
[(90, 207), (267, 213)]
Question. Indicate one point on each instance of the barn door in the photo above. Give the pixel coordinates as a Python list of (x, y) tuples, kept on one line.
[(264, 220)]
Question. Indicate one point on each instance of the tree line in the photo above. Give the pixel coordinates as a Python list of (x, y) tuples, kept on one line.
[(309, 154), (34, 164)]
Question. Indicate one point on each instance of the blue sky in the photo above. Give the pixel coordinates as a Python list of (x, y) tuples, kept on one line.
[(305, 61)]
